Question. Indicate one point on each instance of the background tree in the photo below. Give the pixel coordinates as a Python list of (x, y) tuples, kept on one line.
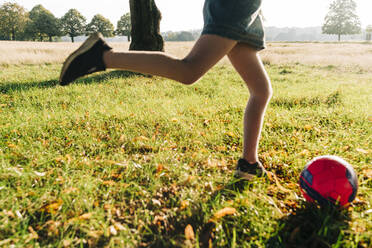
[(369, 32), (342, 19), (73, 24), (100, 24), (124, 26), (145, 19), (42, 23), (13, 18)]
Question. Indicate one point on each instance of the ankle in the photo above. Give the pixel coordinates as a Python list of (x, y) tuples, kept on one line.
[(250, 160)]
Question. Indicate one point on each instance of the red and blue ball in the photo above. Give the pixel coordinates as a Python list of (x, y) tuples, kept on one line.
[(329, 180)]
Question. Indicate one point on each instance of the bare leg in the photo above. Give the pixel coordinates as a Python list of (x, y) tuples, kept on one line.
[(248, 64), (207, 51)]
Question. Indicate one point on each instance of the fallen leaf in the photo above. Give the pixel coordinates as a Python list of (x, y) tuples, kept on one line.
[(223, 212), (362, 151), (52, 207), (19, 215), (156, 202), (189, 232), (184, 204), (369, 211), (159, 168), (86, 216), (308, 127), (231, 134), (122, 138), (272, 177), (40, 174), (70, 190), (140, 138), (368, 173), (34, 234), (304, 153), (109, 183), (119, 227), (113, 231)]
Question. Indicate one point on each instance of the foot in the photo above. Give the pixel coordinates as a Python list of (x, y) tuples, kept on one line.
[(248, 171), (88, 58)]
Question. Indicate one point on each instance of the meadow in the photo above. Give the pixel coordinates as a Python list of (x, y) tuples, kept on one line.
[(120, 159)]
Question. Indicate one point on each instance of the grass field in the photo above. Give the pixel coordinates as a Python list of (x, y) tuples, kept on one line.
[(123, 160)]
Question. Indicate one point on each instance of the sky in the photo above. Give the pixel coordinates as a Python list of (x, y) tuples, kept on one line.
[(187, 14)]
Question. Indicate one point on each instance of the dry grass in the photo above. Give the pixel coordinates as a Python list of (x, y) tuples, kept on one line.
[(343, 55)]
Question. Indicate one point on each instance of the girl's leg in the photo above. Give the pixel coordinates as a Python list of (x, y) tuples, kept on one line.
[(207, 51), (249, 65)]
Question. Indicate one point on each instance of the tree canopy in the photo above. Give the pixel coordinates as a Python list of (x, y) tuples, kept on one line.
[(342, 19), (13, 19), (124, 26), (73, 24), (42, 23), (100, 24)]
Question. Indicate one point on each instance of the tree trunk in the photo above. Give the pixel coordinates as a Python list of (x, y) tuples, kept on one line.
[(145, 19), (339, 37), (13, 34), (72, 39)]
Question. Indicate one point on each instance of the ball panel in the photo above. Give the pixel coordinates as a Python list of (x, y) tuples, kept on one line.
[(311, 193)]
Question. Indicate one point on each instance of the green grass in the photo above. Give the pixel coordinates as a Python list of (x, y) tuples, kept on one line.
[(122, 160)]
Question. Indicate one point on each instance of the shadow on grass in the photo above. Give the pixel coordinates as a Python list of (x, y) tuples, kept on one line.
[(198, 219), (310, 226), (96, 78)]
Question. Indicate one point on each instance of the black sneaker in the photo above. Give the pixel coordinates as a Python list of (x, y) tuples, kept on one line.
[(248, 171), (88, 58)]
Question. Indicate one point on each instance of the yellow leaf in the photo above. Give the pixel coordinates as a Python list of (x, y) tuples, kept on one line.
[(231, 134), (159, 168), (140, 138), (34, 234), (221, 148), (174, 120), (13, 146), (308, 127), (370, 118), (109, 183), (189, 232), (184, 204), (223, 212), (53, 207), (304, 153), (86, 216)]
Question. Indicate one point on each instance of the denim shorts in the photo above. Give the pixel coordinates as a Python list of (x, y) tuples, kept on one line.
[(238, 20)]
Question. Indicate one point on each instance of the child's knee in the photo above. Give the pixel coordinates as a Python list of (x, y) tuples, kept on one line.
[(191, 73), (264, 93)]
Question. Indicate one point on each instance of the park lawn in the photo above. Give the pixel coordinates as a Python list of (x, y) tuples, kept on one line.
[(124, 160)]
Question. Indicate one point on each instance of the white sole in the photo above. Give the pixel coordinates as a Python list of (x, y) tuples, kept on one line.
[(88, 44)]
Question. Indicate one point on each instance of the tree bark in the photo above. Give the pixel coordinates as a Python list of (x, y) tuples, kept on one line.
[(145, 19)]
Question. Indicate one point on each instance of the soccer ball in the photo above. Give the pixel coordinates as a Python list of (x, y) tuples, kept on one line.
[(329, 180)]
